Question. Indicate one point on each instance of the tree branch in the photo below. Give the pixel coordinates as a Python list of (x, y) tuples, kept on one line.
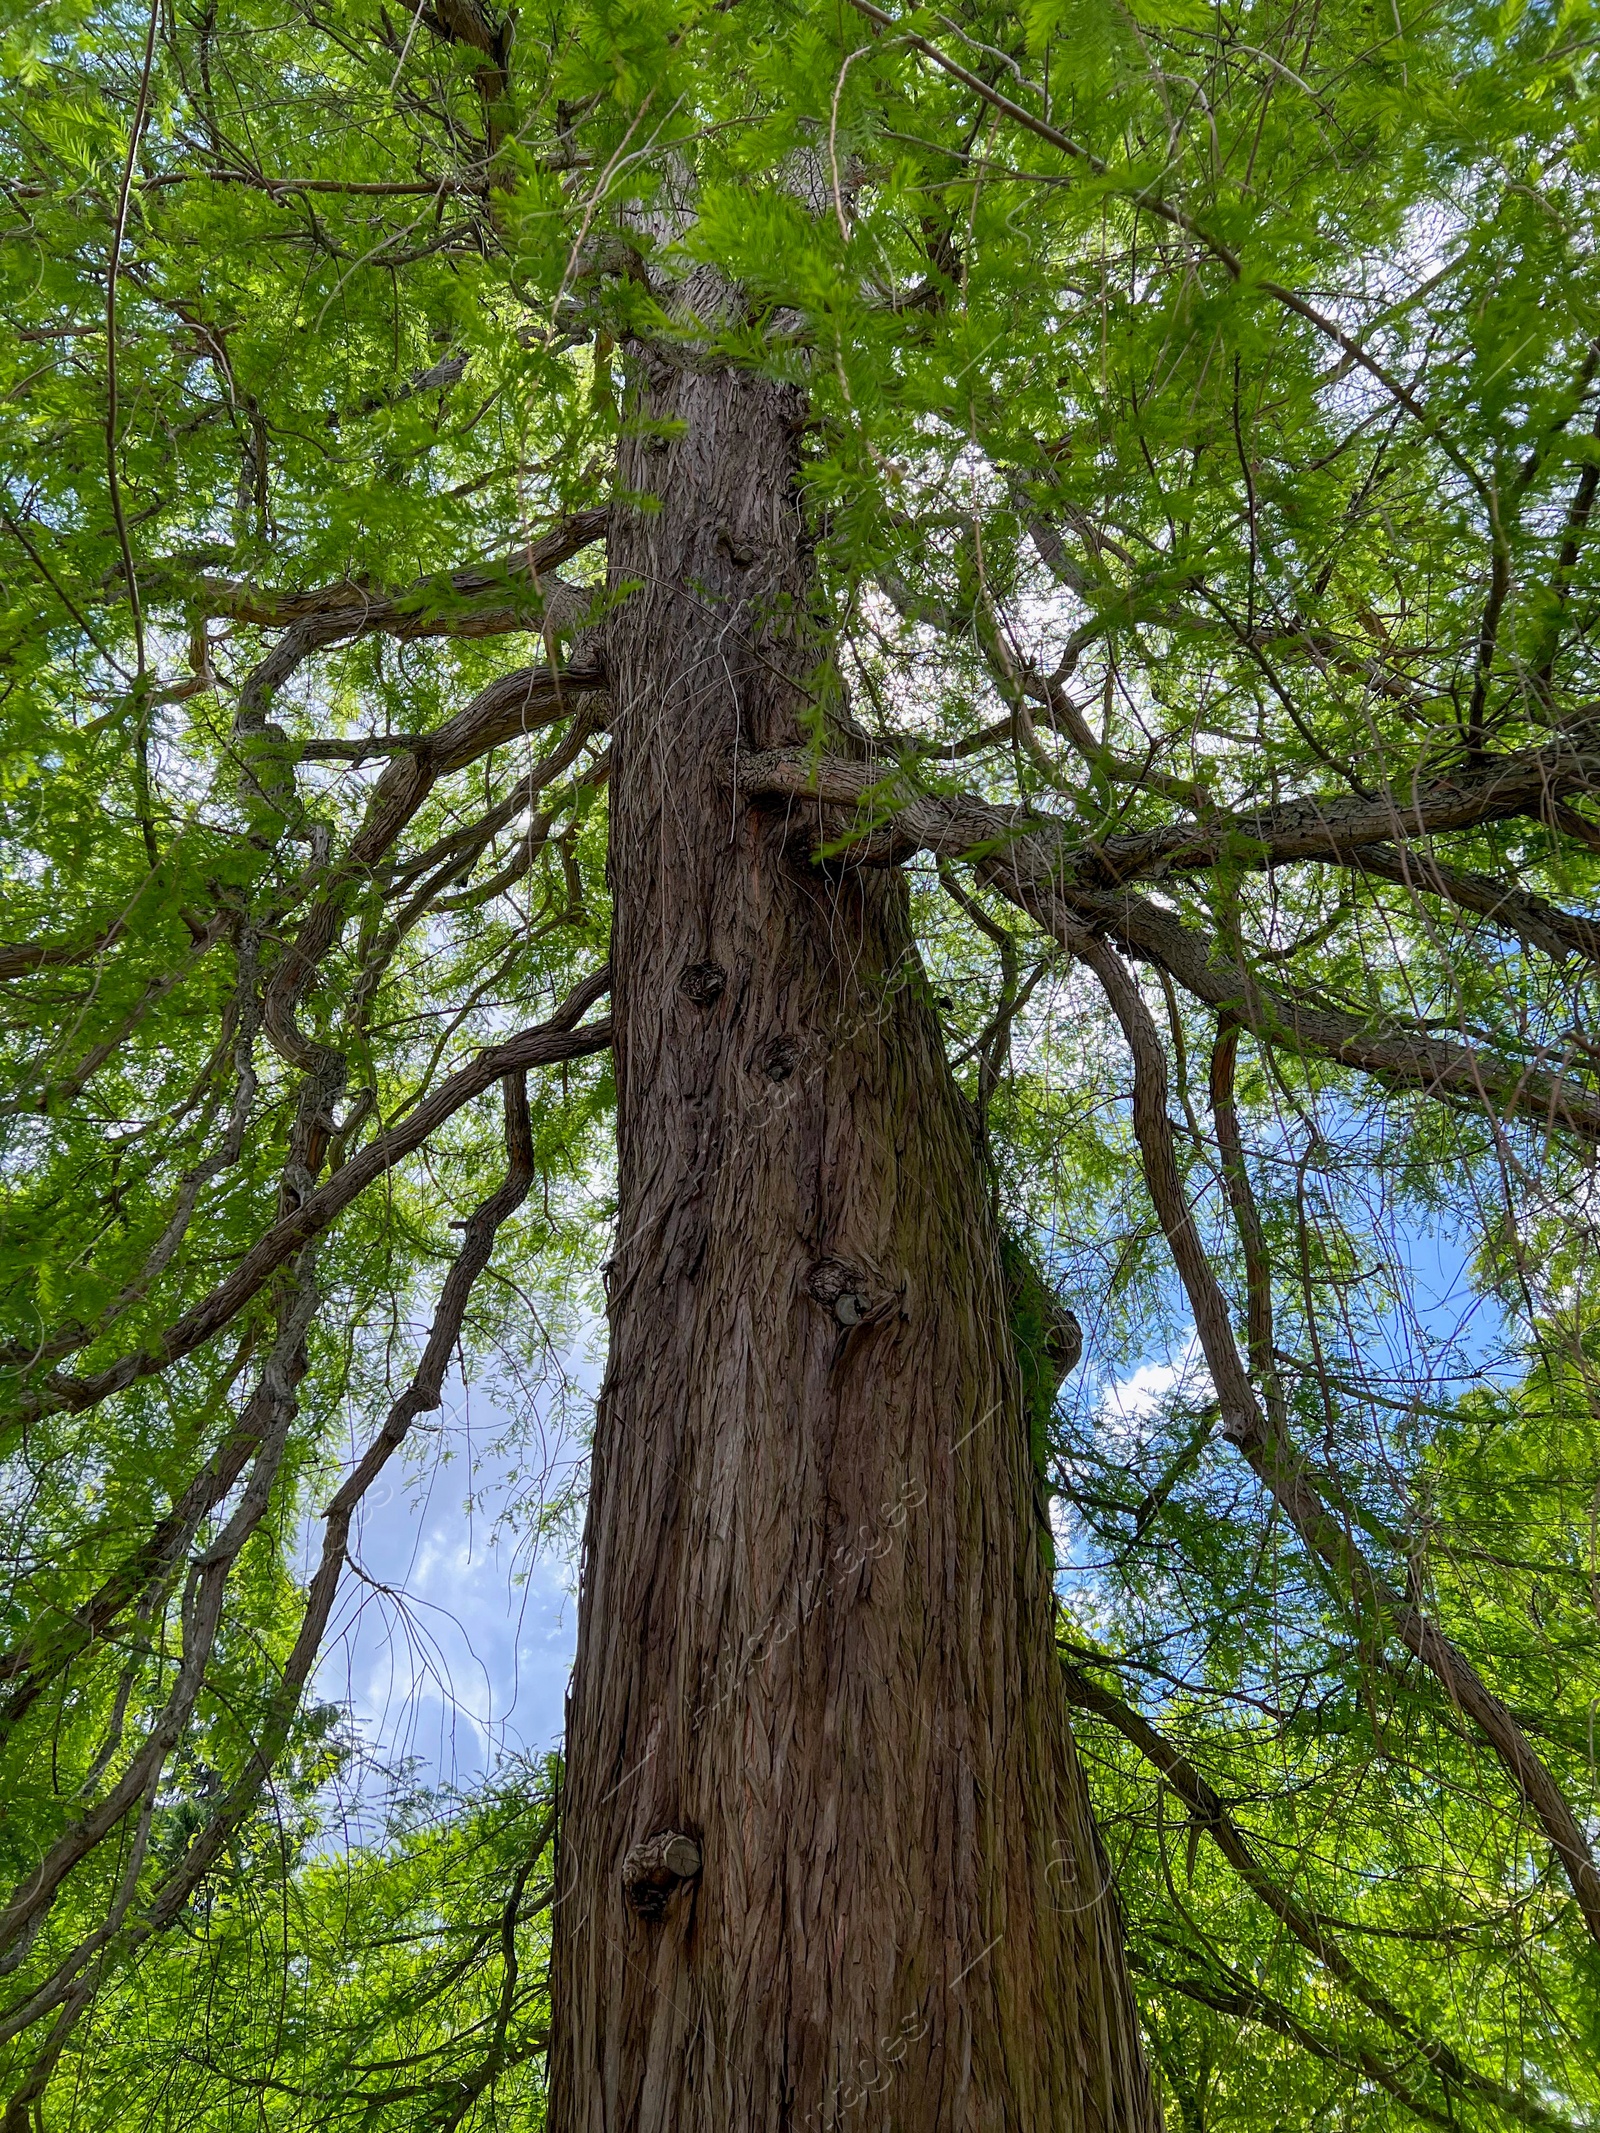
[(1325, 827), (1251, 2004), (548, 1044), (421, 1396), (1027, 859), (421, 609), (1208, 1812), (1273, 1459)]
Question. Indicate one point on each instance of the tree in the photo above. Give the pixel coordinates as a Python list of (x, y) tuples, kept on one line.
[(1083, 515)]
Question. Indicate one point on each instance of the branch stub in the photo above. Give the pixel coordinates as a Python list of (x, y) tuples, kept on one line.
[(654, 1868)]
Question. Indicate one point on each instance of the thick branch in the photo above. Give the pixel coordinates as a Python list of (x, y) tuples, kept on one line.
[(20, 959), (1532, 918), (1022, 857), (1460, 1073), (1320, 826), (430, 607)]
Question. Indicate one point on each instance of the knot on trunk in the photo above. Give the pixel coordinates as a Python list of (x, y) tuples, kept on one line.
[(736, 550), (849, 1292), (702, 983), (653, 1869), (779, 1058)]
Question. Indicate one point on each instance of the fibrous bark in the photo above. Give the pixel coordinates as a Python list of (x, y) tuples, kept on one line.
[(815, 1634)]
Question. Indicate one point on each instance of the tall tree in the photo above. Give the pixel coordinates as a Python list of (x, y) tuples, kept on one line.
[(1107, 491), (815, 1639)]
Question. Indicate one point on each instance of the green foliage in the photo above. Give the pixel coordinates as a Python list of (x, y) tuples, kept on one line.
[(396, 1980), (1202, 417)]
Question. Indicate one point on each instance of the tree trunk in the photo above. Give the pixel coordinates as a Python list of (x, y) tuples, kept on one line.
[(815, 1630)]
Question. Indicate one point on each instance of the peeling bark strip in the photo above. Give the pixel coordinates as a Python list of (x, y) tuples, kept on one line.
[(901, 1898)]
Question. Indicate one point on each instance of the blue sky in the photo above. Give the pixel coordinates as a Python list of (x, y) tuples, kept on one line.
[(454, 1638), (455, 1627)]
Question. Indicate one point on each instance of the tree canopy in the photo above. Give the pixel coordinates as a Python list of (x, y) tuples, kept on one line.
[(1201, 451)]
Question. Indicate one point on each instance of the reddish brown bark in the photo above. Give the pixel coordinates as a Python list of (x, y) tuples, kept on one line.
[(815, 1629)]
